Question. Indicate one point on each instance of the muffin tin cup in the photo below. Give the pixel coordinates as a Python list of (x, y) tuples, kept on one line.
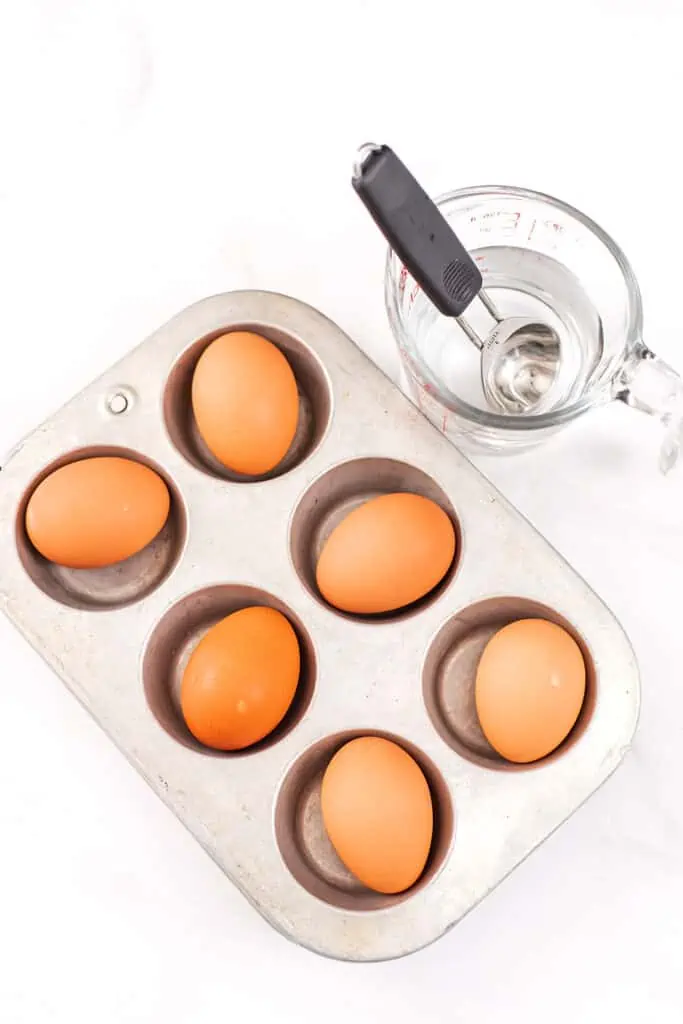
[(306, 847), (406, 676), (113, 586), (178, 634), (449, 677)]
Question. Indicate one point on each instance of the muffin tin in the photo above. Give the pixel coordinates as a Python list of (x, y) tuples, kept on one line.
[(120, 637)]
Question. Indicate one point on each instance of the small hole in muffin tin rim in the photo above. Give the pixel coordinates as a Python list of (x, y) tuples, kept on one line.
[(120, 400), (177, 634), (449, 673), (114, 586), (335, 494), (306, 849), (315, 403)]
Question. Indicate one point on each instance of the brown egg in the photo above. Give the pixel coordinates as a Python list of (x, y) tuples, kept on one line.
[(95, 512), (530, 687), (386, 554), (377, 810), (245, 402), (241, 679)]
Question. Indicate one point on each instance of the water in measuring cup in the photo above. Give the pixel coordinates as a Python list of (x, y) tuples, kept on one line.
[(522, 283)]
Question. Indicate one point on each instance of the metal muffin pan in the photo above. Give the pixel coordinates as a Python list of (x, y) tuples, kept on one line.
[(120, 637)]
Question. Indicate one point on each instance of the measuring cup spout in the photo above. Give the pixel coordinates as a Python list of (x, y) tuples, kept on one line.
[(647, 383)]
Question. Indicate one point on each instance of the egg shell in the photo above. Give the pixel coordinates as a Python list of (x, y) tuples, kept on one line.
[(529, 690), (245, 402), (386, 554), (96, 511), (241, 679), (377, 811)]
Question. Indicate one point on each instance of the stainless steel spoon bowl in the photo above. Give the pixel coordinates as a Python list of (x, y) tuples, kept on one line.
[(520, 360)]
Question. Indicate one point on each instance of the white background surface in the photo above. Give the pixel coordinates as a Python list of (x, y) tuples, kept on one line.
[(155, 152)]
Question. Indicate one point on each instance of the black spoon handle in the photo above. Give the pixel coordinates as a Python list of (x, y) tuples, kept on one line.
[(417, 231)]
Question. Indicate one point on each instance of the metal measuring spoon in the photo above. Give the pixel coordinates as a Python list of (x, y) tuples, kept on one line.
[(520, 358)]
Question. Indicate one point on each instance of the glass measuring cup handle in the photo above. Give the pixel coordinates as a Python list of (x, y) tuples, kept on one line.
[(647, 383)]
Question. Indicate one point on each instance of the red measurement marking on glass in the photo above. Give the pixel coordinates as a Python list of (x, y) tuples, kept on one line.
[(403, 277), (553, 226)]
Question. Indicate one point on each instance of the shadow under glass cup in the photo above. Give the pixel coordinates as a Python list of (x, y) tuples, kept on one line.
[(543, 260)]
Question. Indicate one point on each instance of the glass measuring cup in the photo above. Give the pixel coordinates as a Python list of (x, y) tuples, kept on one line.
[(541, 259)]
